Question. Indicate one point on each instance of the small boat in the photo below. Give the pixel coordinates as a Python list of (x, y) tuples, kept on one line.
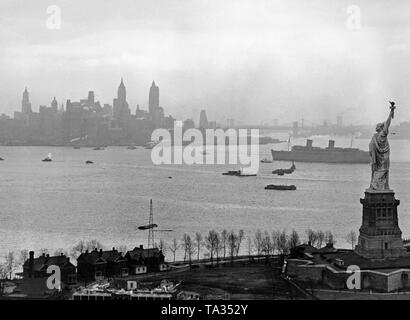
[(231, 173), (1, 159), (89, 162), (281, 172), (131, 147), (239, 173), (266, 160), (148, 226), (280, 187), (48, 158), (98, 148)]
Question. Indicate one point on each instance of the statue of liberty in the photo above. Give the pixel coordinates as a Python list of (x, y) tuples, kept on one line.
[(380, 154)]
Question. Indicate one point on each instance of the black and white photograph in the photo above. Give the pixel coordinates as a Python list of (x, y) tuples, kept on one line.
[(204, 154)]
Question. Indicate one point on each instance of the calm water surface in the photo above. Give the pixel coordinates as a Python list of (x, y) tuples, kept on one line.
[(54, 205)]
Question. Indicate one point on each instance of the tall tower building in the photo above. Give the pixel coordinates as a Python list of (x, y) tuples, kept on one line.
[(122, 92), (54, 104), (120, 105), (203, 120), (91, 99), (153, 102), (25, 103)]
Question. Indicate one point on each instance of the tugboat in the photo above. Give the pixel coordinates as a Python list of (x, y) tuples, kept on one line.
[(48, 158), (98, 148), (89, 162), (1, 159), (131, 147), (281, 172), (280, 187), (239, 173)]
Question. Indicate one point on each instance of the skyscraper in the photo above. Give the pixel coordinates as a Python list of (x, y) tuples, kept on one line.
[(153, 102), (25, 103), (54, 104), (121, 109), (203, 120)]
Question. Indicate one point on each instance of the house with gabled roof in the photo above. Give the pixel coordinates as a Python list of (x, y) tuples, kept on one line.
[(152, 259), (37, 267), (99, 264)]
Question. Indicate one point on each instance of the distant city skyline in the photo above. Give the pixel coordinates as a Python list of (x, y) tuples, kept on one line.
[(250, 61)]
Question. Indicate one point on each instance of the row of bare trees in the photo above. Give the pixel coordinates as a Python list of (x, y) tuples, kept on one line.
[(225, 244)]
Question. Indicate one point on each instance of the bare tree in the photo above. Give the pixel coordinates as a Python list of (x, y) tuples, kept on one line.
[(218, 247), (198, 241), (275, 240), (174, 247), (190, 248), (241, 235), (320, 238), (10, 264), (210, 243), (283, 243), (294, 240), (232, 242), (23, 256), (78, 249), (329, 239), (3, 277), (266, 245), (311, 237), (94, 244), (224, 239), (250, 248), (351, 238), (258, 241), (185, 245)]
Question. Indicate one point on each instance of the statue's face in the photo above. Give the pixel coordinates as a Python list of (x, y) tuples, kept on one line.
[(379, 127)]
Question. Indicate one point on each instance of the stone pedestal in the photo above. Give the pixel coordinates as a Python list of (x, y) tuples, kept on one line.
[(380, 235)]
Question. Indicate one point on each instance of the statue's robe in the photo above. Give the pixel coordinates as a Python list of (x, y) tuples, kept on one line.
[(380, 160)]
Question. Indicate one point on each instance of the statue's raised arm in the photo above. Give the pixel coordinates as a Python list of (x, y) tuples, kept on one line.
[(391, 116)]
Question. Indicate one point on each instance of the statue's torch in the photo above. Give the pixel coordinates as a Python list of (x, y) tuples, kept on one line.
[(392, 107)]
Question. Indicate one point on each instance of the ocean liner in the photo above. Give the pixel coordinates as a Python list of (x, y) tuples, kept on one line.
[(330, 154)]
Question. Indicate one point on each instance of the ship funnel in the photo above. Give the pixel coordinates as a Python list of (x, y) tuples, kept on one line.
[(331, 144), (309, 143)]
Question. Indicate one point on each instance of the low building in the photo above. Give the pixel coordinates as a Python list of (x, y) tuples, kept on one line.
[(37, 267), (99, 264), (329, 267)]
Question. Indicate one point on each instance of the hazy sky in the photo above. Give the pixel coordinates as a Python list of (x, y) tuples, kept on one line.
[(252, 60)]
